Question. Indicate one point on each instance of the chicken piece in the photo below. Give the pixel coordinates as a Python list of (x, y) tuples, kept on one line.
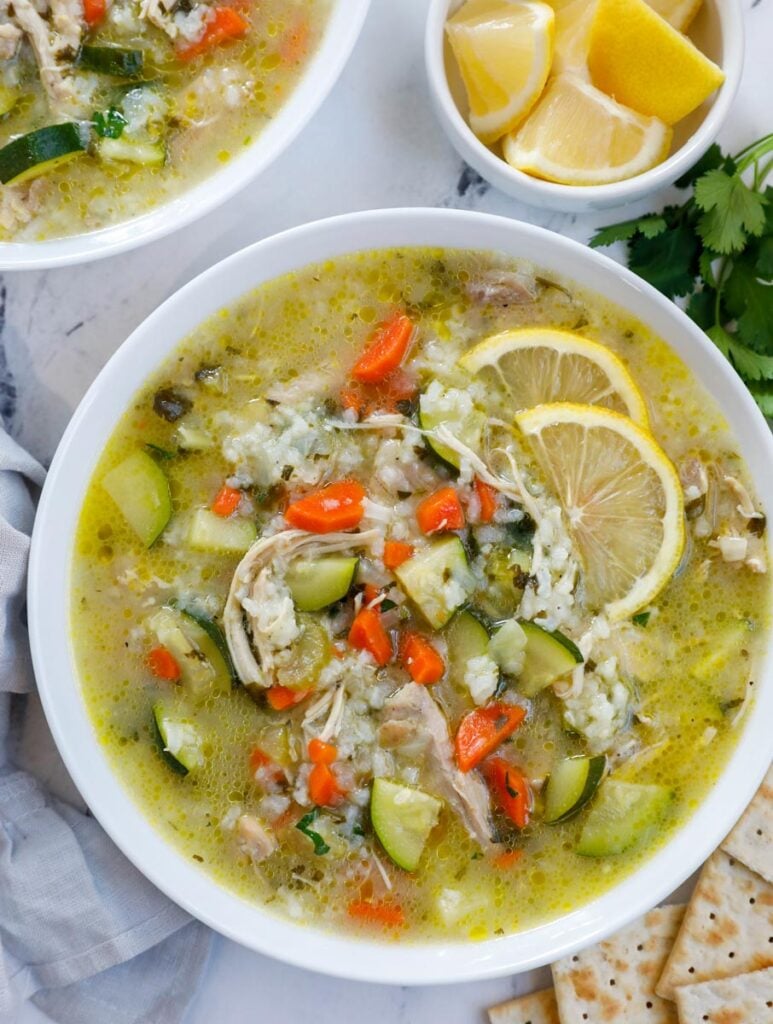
[(159, 13), (253, 838), (502, 288), (68, 23), (10, 34), (414, 725), (258, 596), (52, 52), (695, 484), (20, 203)]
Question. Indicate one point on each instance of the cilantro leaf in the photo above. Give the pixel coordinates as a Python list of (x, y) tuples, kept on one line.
[(641, 619), (765, 258), (706, 266), (109, 125), (701, 307), (649, 226), (304, 825), (750, 301), (763, 396), (711, 160), (732, 211), (668, 261), (721, 338), (751, 365)]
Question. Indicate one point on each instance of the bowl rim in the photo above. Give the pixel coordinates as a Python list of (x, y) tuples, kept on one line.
[(48, 589), (342, 30), (552, 194)]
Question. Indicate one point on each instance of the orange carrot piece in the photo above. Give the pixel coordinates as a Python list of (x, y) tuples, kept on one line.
[(336, 507), (508, 859), (259, 759), (487, 500), (321, 752), (282, 697), (389, 914), (163, 664), (395, 553), (481, 731), (386, 350), (351, 398), (323, 787), (226, 501), (510, 788), (367, 633), (94, 11), (370, 592), (440, 511), (295, 42), (225, 24), (423, 662)]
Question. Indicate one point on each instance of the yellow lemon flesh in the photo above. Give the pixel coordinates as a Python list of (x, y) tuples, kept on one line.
[(620, 495), (577, 135), (504, 50), (635, 56), (544, 364)]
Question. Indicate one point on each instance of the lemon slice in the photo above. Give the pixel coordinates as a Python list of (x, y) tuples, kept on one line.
[(641, 60), (576, 135), (678, 13), (504, 49), (621, 498), (543, 364)]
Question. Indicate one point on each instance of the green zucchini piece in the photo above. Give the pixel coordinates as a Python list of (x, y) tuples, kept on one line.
[(438, 580), (112, 60), (140, 489), (508, 647), (571, 785), (179, 741), (39, 152), (9, 97), (318, 582), (200, 651), (548, 657), (402, 818), (132, 151), (623, 815), (507, 571), (208, 532), (466, 638), (467, 427), (310, 653)]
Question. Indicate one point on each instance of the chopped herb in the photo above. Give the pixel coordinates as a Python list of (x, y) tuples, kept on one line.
[(109, 125), (641, 619), (387, 605), (170, 405), (477, 855), (159, 453), (521, 534), (358, 830), (716, 252), (287, 472), (320, 846)]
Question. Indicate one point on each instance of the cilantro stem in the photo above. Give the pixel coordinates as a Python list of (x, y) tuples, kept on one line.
[(751, 154)]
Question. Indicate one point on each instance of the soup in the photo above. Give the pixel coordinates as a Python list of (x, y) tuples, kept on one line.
[(107, 110), (391, 611)]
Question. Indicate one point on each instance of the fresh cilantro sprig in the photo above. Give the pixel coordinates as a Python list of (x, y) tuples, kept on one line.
[(715, 252), (304, 825), (110, 124)]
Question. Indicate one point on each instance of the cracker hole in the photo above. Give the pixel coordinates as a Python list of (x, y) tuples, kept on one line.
[(640, 947), (691, 970), (713, 916), (648, 1005), (752, 900), (731, 955), (575, 959), (611, 981)]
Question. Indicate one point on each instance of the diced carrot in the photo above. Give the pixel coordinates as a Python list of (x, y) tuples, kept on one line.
[(510, 788), (321, 752), (383, 396), (295, 41), (94, 11), (395, 553), (482, 730), (323, 788), (259, 759), (487, 500), (423, 662), (351, 398), (336, 507), (282, 697), (226, 501), (389, 914), (508, 859), (440, 511), (163, 664), (370, 592), (367, 633), (225, 24), (386, 350)]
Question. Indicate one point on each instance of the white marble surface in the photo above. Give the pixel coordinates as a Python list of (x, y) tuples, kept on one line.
[(375, 143)]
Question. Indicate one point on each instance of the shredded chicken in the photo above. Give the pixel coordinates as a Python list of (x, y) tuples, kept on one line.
[(53, 47), (502, 288), (745, 506), (248, 598), (159, 13), (413, 723), (253, 838), (20, 203), (10, 33), (695, 484)]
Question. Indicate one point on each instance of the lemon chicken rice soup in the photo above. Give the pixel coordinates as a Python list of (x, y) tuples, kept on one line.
[(420, 593), (111, 107)]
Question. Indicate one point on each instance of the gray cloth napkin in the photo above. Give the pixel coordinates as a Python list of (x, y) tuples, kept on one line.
[(82, 932)]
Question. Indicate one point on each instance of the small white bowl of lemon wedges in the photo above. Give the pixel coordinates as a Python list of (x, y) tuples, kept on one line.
[(581, 105)]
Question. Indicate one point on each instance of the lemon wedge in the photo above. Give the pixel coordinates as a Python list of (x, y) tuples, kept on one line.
[(542, 364), (504, 49), (678, 13), (641, 60), (577, 135), (621, 497)]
